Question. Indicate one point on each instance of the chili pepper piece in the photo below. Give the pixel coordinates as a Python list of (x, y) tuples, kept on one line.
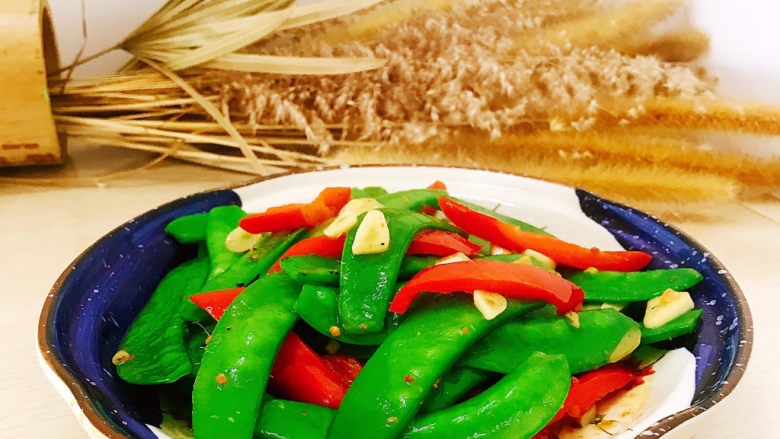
[(507, 219), (441, 243), (517, 406), (347, 366), (243, 346), (216, 302), (562, 252), (614, 286), (593, 386), (317, 245), (426, 345), (511, 280), (155, 339), (437, 185), (298, 215), (367, 281), (188, 229)]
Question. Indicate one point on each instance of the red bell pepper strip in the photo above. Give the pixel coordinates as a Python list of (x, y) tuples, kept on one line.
[(441, 243), (517, 281), (317, 245), (216, 302), (295, 216), (300, 374), (346, 366), (438, 184), (593, 386), (562, 252)]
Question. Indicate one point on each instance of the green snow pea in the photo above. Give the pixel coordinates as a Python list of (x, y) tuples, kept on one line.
[(282, 419), (453, 386), (512, 257), (414, 199), (613, 286), (507, 219), (221, 221), (155, 340), (517, 406), (395, 381), (188, 229), (647, 355), (249, 266), (604, 336), (317, 305), (233, 374), (677, 327), (368, 192), (325, 271), (367, 281)]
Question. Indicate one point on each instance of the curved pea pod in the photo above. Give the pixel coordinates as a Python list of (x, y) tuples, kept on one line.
[(453, 386), (317, 305), (614, 286), (220, 222), (507, 219), (249, 266), (325, 271), (282, 419), (153, 351), (682, 325), (413, 199), (517, 406), (235, 368), (188, 229), (367, 280), (395, 381), (368, 192), (604, 336)]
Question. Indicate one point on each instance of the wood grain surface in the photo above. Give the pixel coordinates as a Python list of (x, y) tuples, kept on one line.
[(44, 228)]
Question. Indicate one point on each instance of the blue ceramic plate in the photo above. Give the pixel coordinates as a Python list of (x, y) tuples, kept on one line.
[(99, 294)]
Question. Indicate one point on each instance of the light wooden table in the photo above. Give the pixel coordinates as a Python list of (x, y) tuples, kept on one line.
[(45, 228)]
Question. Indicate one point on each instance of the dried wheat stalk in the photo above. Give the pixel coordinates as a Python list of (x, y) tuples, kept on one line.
[(552, 88)]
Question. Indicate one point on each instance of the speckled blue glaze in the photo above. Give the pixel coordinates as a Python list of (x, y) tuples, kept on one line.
[(96, 303), (717, 336)]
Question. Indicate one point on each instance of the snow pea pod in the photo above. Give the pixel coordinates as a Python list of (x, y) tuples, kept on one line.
[(454, 385), (395, 381), (507, 219), (414, 199), (251, 265), (317, 305), (368, 192), (325, 271), (512, 257), (517, 406), (680, 326), (367, 281), (237, 362), (613, 286), (604, 336), (282, 419), (220, 222), (152, 351), (188, 229)]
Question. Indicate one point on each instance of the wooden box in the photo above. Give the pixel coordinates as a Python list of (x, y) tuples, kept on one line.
[(28, 135)]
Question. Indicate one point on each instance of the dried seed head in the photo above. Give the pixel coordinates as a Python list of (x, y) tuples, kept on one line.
[(121, 357), (208, 339), (221, 379), (334, 330)]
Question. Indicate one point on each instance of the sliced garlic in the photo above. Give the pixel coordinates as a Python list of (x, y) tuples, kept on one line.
[(372, 235), (489, 304), (347, 217), (574, 318), (496, 250), (667, 307), (455, 257), (617, 306), (239, 240)]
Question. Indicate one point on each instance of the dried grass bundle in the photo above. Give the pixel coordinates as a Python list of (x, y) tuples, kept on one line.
[(585, 92)]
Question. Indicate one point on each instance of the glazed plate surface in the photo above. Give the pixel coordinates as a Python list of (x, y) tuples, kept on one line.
[(97, 297)]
